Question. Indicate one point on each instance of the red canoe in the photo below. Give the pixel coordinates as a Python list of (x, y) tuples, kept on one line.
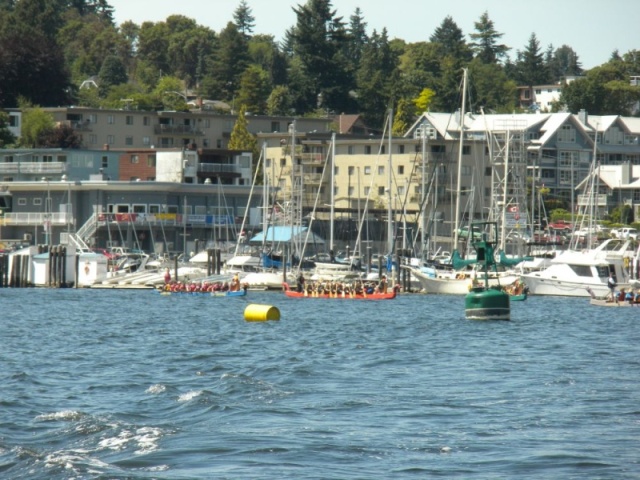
[(391, 294)]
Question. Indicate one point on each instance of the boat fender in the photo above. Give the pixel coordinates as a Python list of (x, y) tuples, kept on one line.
[(261, 313)]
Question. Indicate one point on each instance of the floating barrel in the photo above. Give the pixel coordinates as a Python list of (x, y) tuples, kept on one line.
[(261, 313)]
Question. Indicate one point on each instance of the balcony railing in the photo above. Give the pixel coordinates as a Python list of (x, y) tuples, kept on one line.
[(32, 167), (33, 218), (177, 129), (218, 168)]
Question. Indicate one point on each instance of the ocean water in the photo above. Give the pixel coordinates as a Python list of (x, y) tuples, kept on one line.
[(112, 384)]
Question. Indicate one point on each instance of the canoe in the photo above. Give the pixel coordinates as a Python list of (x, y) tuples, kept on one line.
[(518, 298), (390, 295), (237, 293)]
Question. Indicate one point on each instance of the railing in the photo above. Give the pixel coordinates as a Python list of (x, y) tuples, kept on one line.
[(37, 218), (177, 129), (32, 167), (165, 219), (89, 228), (218, 168)]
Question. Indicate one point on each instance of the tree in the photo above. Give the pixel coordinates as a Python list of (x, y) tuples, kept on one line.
[(450, 40), (357, 36), (35, 122), (254, 90), (423, 100), (227, 65), (6, 137), (564, 62), (377, 79), (279, 101), (112, 72), (320, 44), (241, 138), (530, 67), (485, 43), (244, 19), (403, 117), (490, 88), (60, 136)]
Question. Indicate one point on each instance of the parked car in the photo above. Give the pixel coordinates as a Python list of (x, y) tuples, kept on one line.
[(625, 233), (561, 225)]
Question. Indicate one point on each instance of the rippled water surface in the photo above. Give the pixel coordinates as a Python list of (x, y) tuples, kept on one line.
[(98, 384)]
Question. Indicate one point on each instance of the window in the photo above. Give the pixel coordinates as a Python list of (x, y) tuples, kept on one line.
[(154, 208), (367, 170), (146, 141), (111, 119), (47, 158), (128, 141), (207, 123), (275, 127), (267, 163), (283, 162), (22, 202), (111, 139), (93, 118), (93, 139), (401, 190), (350, 150), (367, 149), (366, 191), (351, 191), (382, 148), (380, 191), (128, 120), (350, 170), (437, 149), (37, 201), (380, 169), (218, 143), (400, 169), (487, 171), (400, 148), (466, 149), (466, 170), (134, 159), (335, 190), (538, 91), (105, 161), (336, 170), (151, 161)]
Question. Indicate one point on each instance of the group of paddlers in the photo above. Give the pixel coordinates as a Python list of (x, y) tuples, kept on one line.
[(624, 296), (197, 287), (342, 289)]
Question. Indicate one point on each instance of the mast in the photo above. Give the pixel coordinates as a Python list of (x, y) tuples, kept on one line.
[(332, 197), (423, 223), (389, 196), (459, 179)]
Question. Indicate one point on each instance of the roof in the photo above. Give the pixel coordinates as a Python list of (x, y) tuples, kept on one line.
[(280, 234)]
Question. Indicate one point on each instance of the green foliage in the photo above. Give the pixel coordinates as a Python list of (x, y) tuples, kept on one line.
[(60, 136), (254, 90), (6, 137), (622, 214), (423, 100), (35, 123), (559, 214), (112, 72), (485, 44), (404, 116), (241, 138), (279, 101), (244, 19)]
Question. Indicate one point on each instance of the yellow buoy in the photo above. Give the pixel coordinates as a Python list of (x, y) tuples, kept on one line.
[(261, 313)]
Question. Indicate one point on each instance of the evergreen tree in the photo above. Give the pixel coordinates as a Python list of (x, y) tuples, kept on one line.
[(228, 63), (485, 43), (320, 43), (241, 138), (451, 41), (403, 117), (244, 19), (564, 62), (35, 122), (377, 79), (530, 66), (112, 73), (279, 101), (357, 38)]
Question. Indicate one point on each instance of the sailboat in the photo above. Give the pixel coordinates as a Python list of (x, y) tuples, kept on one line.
[(458, 280)]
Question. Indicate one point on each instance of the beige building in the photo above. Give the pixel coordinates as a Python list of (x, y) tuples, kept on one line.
[(198, 128)]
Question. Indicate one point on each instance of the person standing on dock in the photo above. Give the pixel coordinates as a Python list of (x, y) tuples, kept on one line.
[(611, 283)]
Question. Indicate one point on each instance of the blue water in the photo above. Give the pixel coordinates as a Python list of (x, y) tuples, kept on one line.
[(100, 384)]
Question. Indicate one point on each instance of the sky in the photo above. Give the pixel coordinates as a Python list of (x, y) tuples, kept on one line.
[(593, 28)]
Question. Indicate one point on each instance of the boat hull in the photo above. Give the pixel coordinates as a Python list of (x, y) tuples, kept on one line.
[(604, 303), (370, 296), (455, 286)]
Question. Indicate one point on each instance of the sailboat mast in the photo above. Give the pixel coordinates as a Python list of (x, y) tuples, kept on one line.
[(459, 179), (389, 197), (333, 199), (423, 223)]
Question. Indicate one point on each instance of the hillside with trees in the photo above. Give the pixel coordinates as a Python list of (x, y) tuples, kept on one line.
[(326, 63)]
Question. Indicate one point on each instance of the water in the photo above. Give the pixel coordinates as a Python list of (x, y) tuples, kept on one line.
[(100, 384)]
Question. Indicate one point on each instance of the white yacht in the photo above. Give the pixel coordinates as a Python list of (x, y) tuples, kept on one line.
[(573, 272)]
